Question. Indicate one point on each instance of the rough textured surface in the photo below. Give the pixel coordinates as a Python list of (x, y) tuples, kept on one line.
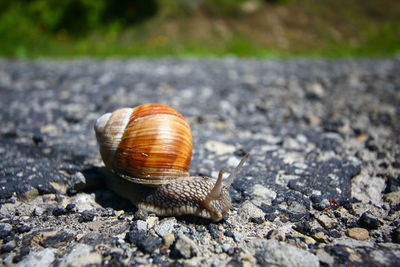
[(323, 136)]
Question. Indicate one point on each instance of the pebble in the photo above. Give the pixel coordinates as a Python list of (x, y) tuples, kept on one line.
[(146, 243), (38, 211), (151, 221), (393, 198), (248, 210), (23, 229), (276, 234), (369, 221), (219, 148), (55, 239), (237, 236), (168, 239), (326, 221), (212, 228), (59, 211), (165, 226), (261, 194), (358, 233), (140, 225), (81, 255), (43, 257), (87, 216), (272, 252), (5, 230), (185, 247)]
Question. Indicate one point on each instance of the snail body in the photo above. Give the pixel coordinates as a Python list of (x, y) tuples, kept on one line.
[(150, 147)]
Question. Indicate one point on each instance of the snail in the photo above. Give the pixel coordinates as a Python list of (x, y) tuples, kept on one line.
[(150, 147)]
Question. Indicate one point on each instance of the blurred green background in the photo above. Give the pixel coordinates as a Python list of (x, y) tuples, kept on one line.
[(259, 28)]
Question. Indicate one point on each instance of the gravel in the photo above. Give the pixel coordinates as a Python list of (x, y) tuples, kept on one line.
[(322, 186)]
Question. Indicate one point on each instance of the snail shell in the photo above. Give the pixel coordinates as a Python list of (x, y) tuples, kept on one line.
[(150, 146)]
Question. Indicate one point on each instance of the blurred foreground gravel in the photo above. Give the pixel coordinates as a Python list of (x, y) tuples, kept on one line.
[(322, 186)]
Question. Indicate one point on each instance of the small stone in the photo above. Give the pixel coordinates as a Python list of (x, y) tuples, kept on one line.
[(81, 255), (228, 233), (7, 248), (237, 236), (393, 198), (56, 239), (23, 229), (59, 211), (140, 225), (38, 211), (320, 237), (212, 228), (247, 257), (85, 202), (261, 194), (71, 207), (146, 243), (17, 258), (358, 233), (395, 234), (226, 247), (108, 213), (151, 221), (119, 213), (219, 148), (44, 257), (249, 210), (369, 221), (272, 252), (87, 216), (168, 239), (276, 234), (24, 251), (185, 247), (326, 221), (5, 230), (165, 226)]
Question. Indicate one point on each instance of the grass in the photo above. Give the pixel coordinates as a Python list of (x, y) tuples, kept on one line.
[(309, 28)]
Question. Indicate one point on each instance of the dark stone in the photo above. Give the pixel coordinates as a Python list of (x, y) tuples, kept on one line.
[(108, 213), (228, 233), (369, 221), (212, 228), (395, 234), (271, 217), (341, 253), (23, 229), (383, 165), (70, 207), (257, 220), (396, 164), (392, 184), (4, 233), (59, 211), (58, 240), (235, 263), (334, 233), (304, 228), (17, 258), (380, 155), (146, 243), (37, 139), (87, 216), (6, 248), (24, 251)]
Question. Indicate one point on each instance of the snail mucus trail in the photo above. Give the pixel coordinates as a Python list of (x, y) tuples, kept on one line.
[(150, 147)]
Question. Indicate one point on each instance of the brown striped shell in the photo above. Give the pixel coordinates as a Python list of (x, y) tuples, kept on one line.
[(149, 144)]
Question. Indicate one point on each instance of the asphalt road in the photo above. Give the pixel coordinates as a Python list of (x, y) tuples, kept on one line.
[(323, 136)]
